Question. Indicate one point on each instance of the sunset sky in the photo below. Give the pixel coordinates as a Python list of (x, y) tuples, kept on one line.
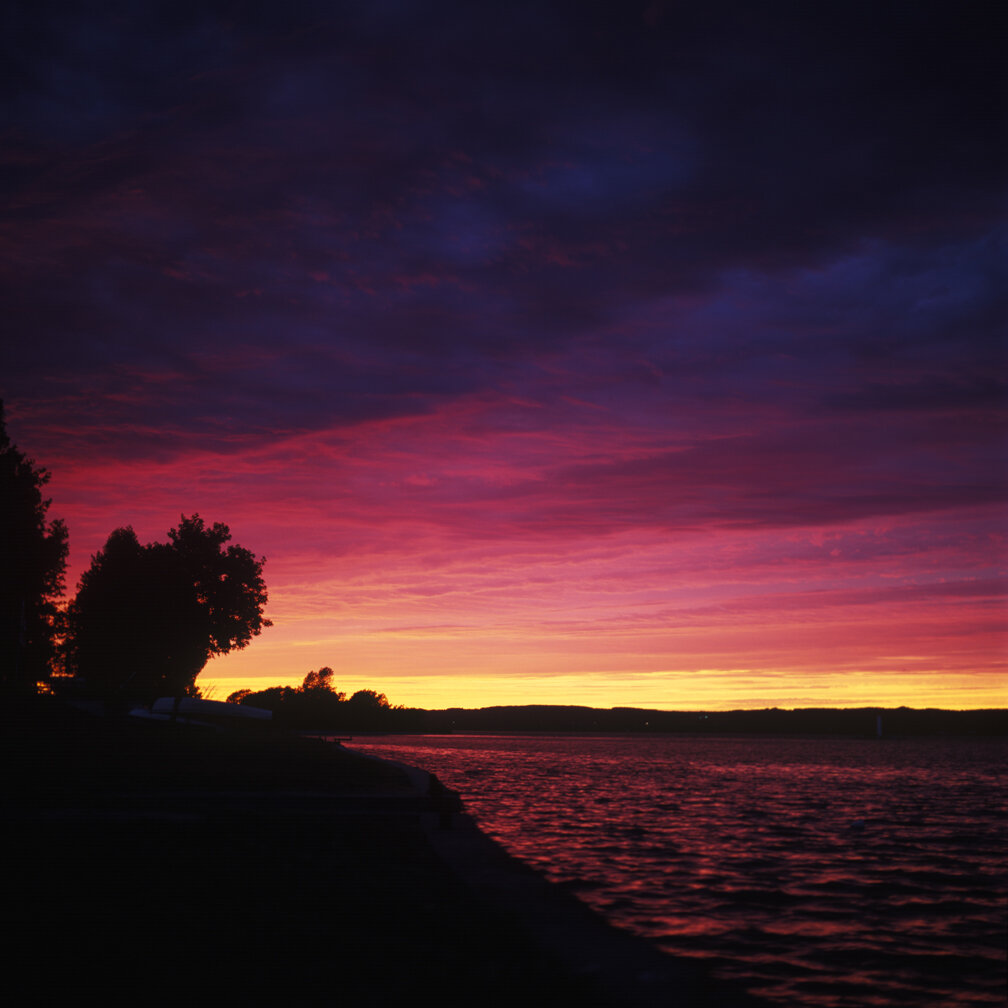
[(609, 353)]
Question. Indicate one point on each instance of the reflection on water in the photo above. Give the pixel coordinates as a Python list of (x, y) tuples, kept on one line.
[(821, 872)]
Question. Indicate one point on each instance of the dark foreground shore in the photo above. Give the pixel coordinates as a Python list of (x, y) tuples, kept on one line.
[(166, 862)]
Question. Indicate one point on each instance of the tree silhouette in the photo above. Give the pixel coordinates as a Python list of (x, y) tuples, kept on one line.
[(368, 699), (33, 555), (146, 619), (321, 680), (316, 705)]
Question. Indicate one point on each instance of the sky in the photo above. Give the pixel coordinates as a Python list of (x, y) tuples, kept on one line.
[(624, 354)]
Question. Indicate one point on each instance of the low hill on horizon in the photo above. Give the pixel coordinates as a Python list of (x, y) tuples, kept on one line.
[(323, 711), (861, 721)]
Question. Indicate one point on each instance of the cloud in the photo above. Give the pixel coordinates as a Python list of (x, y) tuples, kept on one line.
[(451, 307)]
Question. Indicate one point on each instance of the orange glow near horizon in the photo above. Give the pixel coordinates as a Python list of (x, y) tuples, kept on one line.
[(598, 667), (684, 691), (636, 393), (446, 587)]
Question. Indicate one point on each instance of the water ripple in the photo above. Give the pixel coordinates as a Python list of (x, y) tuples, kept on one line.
[(826, 873)]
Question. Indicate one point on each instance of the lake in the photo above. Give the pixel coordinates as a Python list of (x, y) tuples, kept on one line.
[(820, 872)]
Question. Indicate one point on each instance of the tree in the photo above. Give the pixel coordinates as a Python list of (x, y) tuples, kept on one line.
[(33, 556), (321, 680), (146, 619), (368, 699), (315, 704), (367, 710)]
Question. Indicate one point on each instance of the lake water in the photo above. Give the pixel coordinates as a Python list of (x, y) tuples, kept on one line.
[(821, 872)]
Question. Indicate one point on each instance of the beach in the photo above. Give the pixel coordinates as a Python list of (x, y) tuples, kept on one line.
[(168, 861)]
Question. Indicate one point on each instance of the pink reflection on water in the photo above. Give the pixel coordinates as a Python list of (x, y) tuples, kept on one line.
[(821, 872)]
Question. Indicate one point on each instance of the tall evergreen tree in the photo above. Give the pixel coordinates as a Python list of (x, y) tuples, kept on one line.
[(33, 556)]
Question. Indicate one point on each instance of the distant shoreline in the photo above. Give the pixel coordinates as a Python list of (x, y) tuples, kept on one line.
[(865, 722)]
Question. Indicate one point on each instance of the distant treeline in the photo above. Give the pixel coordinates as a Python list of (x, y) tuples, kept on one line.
[(317, 706), (861, 722)]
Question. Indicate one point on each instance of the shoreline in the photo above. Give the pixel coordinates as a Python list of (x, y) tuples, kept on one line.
[(629, 970), (301, 869)]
